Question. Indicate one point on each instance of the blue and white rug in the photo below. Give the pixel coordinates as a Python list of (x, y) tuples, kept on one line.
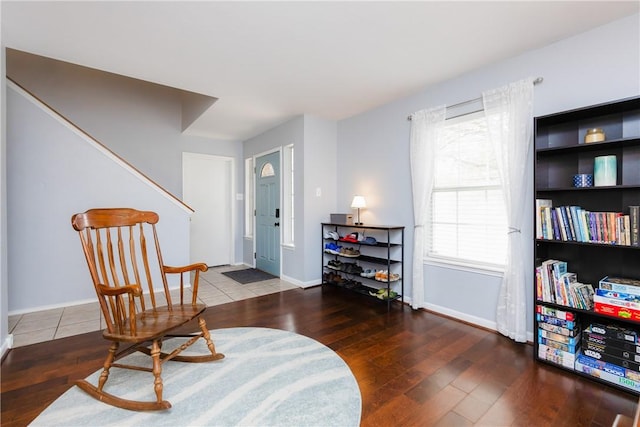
[(268, 377)]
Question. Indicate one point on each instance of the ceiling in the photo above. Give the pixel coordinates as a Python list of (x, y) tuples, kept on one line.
[(269, 61)]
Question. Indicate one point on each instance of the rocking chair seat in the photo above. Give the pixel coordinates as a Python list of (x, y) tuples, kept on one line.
[(155, 323)]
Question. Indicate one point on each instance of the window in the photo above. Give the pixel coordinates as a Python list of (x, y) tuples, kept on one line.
[(248, 197), (288, 197), (267, 171), (468, 224)]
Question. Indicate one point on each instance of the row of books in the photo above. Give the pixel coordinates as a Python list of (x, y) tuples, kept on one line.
[(557, 285), (573, 223), (608, 352), (611, 352), (618, 297), (558, 335)]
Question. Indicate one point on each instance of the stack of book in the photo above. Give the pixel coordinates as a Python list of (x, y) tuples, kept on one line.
[(557, 285), (573, 223), (618, 297), (612, 353), (558, 336)]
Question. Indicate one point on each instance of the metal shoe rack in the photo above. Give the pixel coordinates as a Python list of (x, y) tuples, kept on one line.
[(386, 254)]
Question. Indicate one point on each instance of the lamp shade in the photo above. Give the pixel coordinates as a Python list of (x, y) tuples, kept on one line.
[(358, 202)]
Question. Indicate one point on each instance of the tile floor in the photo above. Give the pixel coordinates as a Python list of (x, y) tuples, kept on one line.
[(215, 288)]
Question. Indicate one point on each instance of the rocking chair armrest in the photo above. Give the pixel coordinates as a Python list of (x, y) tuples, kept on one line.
[(183, 269), (135, 290)]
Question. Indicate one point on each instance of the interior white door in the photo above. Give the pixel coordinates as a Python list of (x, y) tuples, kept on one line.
[(207, 188)]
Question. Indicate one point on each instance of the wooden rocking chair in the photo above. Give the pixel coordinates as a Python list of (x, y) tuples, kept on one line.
[(115, 247)]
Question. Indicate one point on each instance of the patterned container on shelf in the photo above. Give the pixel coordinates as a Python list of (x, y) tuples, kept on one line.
[(583, 180)]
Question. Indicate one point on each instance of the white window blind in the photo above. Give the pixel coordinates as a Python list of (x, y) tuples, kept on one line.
[(468, 223)]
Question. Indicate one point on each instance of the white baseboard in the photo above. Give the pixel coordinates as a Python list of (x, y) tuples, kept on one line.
[(488, 324), (6, 345), (242, 263), (78, 302), (299, 283), (52, 306)]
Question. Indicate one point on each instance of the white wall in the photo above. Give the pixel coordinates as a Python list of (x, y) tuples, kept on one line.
[(54, 172), (320, 173), (139, 121), (314, 141), (597, 66), (290, 132)]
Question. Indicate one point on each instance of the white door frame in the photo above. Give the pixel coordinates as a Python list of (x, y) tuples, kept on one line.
[(231, 201)]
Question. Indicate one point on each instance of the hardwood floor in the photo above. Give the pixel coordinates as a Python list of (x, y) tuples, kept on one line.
[(414, 368)]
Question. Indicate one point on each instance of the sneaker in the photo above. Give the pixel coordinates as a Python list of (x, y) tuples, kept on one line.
[(352, 268), (368, 273), (332, 248), (381, 275), (349, 252), (331, 235), (335, 264)]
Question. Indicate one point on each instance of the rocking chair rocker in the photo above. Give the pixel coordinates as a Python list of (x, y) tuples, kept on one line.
[(115, 247)]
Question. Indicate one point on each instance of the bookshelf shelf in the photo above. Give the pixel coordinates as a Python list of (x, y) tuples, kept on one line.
[(575, 245), (604, 245), (589, 189)]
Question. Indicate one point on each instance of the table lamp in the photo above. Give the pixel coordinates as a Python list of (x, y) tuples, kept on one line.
[(357, 203)]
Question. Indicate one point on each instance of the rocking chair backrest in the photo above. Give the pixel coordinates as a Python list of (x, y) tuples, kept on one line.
[(114, 242)]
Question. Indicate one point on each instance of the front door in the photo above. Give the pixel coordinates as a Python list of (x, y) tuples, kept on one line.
[(268, 213)]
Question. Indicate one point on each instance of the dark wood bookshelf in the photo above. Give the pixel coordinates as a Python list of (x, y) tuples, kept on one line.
[(561, 153)]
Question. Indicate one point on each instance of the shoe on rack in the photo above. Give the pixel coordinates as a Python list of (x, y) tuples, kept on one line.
[(368, 273), (369, 241), (331, 235), (335, 264), (384, 294), (332, 248), (349, 252), (352, 268), (347, 266), (352, 238)]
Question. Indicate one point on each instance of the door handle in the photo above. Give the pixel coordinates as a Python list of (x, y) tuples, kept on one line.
[(277, 224)]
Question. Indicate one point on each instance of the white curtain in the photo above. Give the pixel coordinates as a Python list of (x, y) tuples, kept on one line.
[(509, 113), (426, 126)]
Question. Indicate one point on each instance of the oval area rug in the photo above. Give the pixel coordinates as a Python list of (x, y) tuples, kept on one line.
[(269, 377)]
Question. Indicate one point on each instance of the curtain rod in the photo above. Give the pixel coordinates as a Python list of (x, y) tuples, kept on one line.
[(470, 101)]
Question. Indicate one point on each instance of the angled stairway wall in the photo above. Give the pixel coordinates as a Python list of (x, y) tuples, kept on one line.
[(54, 171)]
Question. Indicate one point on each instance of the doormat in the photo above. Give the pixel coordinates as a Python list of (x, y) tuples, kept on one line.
[(249, 275)]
